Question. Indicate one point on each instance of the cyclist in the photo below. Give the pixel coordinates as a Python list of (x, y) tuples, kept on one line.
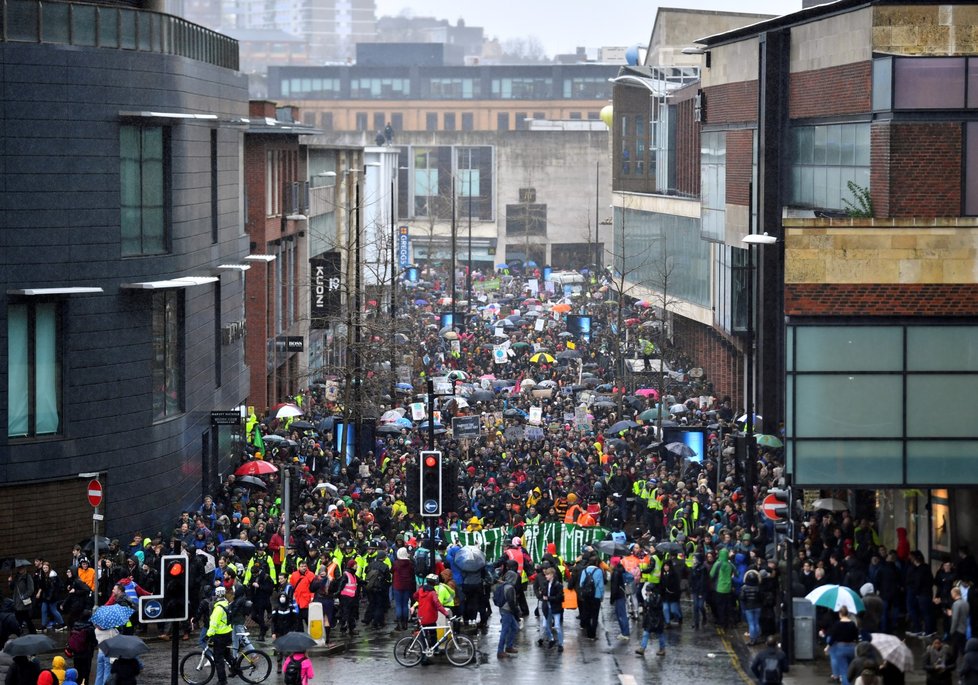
[(428, 609), (219, 630)]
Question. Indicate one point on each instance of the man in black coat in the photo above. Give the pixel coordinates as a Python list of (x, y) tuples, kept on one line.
[(770, 661)]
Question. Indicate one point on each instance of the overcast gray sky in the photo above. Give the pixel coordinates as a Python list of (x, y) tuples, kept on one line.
[(562, 26)]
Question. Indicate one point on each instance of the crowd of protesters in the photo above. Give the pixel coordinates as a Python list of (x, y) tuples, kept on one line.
[(693, 550)]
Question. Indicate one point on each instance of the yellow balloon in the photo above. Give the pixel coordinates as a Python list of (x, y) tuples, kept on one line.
[(607, 115)]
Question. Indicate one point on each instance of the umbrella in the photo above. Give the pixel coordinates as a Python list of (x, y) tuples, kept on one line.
[(669, 547), (678, 409), (542, 358), (506, 323), (513, 414), (123, 647), (612, 548), (404, 387), (302, 425), (294, 642), (253, 482), (326, 424), (502, 266), (400, 338), (835, 597), (569, 354), (481, 396), (458, 375), (681, 449), (256, 468), (829, 504), (604, 404), (649, 414), (621, 426), (236, 543), (893, 649), (328, 487), (389, 429), (287, 410), (562, 308), (604, 387), (565, 334), (530, 264), (470, 559), (743, 419), (648, 392), (210, 564), (111, 616), (520, 345), (424, 426), (768, 441), (273, 438), (28, 645), (450, 335), (390, 416), (404, 422), (617, 443), (89, 544)]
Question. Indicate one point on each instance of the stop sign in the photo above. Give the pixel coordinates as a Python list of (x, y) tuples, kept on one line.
[(94, 493)]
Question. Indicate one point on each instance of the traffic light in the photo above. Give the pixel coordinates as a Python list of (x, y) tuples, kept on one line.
[(777, 506), (172, 602), (430, 484)]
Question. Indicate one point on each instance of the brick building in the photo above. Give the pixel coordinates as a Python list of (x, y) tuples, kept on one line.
[(847, 132)]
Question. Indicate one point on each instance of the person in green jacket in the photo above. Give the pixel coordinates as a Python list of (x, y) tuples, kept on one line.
[(721, 574)]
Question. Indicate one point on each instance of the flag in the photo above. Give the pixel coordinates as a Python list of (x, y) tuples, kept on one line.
[(259, 443), (571, 346)]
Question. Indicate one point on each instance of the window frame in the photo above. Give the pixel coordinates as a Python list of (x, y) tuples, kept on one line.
[(135, 172), (31, 320), (174, 331)]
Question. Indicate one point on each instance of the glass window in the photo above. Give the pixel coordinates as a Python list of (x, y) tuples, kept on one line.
[(143, 172), (840, 405), (973, 83), (54, 23), (502, 121), (34, 381), (929, 83), (971, 169), (852, 462), (361, 123), (167, 359), (713, 174), (927, 418), (883, 84), (940, 462), (468, 121), (825, 159), (850, 348), (449, 121), (83, 24), (22, 20), (431, 121), (958, 347)]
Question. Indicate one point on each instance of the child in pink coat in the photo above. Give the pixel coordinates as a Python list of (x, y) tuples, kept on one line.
[(307, 671)]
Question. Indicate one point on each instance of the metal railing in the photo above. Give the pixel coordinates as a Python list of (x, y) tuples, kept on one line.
[(113, 27)]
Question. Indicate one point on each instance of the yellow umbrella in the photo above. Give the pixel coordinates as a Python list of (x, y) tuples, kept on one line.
[(542, 357)]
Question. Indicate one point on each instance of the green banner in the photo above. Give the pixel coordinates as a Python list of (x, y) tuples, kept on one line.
[(569, 538)]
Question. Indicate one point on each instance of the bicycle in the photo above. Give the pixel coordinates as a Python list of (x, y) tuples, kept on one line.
[(458, 649), (251, 665)]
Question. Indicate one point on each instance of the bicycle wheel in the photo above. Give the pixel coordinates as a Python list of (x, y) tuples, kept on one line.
[(254, 666), (408, 651), (196, 668), (460, 650)]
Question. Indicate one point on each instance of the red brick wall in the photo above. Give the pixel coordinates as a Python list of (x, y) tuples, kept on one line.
[(687, 149), (717, 356), (740, 154), (879, 173), (925, 169), (845, 89), (849, 299), (731, 103)]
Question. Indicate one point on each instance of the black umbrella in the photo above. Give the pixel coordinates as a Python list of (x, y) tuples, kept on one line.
[(89, 544), (612, 548), (236, 543), (389, 429), (481, 396), (253, 482), (123, 647), (294, 642), (272, 439), (621, 426), (12, 563), (604, 404), (668, 547), (591, 382), (617, 443), (28, 645), (326, 424), (302, 425), (590, 365), (681, 449), (569, 354), (512, 414), (604, 387)]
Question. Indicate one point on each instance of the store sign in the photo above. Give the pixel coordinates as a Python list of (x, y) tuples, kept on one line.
[(325, 289), (403, 247)]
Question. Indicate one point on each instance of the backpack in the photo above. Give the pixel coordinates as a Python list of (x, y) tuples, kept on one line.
[(421, 564), (772, 670), (499, 595), (375, 578), (77, 641), (588, 587), (293, 672)]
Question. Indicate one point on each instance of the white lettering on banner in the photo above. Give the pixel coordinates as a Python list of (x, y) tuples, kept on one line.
[(319, 279)]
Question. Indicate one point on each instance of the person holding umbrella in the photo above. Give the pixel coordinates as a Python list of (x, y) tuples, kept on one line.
[(297, 669), (24, 670)]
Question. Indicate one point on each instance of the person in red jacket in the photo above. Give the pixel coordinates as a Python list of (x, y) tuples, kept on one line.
[(428, 609)]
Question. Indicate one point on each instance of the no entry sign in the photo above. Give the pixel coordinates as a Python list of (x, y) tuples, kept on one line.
[(94, 492)]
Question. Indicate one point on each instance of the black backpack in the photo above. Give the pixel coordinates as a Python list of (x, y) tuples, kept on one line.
[(293, 672), (772, 670), (588, 587), (422, 560), (499, 595)]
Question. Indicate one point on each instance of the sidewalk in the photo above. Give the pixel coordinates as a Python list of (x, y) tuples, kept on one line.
[(818, 670)]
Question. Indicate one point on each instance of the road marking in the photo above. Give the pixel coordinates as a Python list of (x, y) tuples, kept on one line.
[(734, 660), (627, 679)]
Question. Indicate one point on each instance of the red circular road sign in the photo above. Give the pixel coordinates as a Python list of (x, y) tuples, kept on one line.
[(94, 493), (770, 507)]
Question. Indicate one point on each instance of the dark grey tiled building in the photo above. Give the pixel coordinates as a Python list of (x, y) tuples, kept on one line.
[(121, 265)]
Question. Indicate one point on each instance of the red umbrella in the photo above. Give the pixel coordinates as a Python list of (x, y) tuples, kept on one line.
[(256, 468)]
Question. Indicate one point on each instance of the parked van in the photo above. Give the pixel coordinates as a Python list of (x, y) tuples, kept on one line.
[(568, 281)]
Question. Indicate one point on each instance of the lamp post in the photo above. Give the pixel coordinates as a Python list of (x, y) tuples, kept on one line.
[(751, 239), (454, 255), (468, 280)]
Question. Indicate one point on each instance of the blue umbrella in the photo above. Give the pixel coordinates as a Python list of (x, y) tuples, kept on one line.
[(421, 303), (424, 426), (531, 264), (404, 422), (502, 266), (404, 386), (111, 616)]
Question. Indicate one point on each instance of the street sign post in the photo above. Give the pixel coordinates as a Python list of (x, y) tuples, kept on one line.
[(776, 506)]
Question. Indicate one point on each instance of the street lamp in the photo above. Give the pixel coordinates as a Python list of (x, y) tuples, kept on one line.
[(751, 240)]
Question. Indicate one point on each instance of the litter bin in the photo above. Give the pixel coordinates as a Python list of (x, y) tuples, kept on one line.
[(804, 628)]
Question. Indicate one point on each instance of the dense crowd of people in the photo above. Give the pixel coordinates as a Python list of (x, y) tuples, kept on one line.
[(564, 438)]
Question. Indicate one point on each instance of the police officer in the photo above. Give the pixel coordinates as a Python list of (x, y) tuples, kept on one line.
[(219, 631)]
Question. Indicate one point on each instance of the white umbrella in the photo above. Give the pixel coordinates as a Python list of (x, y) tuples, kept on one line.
[(835, 597), (210, 565), (678, 409), (288, 410), (829, 504), (328, 487), (893, 649), (391, 416)]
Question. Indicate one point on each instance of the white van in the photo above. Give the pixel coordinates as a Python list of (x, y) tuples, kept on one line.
[(564, 280)]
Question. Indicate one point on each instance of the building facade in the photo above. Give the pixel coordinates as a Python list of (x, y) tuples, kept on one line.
[(123, 297)]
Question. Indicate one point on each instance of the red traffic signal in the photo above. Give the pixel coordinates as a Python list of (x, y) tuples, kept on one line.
[(430, 484), (430, 461)]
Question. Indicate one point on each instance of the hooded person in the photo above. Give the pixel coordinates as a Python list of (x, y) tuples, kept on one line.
[(429, 607), (969, 664), (722, 573), (71, 677), (509, 614)]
